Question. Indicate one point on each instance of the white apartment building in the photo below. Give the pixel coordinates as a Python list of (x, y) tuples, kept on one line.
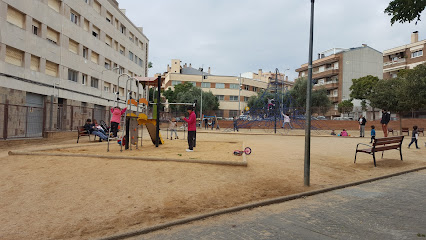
[(72, 50)]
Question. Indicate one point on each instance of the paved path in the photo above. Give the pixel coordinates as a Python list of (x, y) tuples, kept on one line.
[(393, 208)]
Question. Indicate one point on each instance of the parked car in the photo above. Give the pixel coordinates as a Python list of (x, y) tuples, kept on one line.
[(321, 118)]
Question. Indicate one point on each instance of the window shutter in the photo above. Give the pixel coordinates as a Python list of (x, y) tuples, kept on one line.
[(54, 4), (95, 57), (52, 35), (97, 6), (51, 69), (73, 47), (15, 17), (14, 56), (108, 40), (86, 25), (35, 63)]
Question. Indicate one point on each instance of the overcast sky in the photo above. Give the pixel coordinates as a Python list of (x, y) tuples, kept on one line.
[(236, 36)]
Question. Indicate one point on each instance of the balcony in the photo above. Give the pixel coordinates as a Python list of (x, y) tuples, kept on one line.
[(333, 98), (394, 62), (328, 72), (328, 85)]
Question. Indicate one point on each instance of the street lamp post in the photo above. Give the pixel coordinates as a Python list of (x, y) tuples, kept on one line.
[(307, 167), (239, 95), (282, 91), (201, 105)]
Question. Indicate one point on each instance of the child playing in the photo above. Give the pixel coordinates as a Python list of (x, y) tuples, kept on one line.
[(344, 133), (414, 137), (333, 133), (373, 133), (115, 119), (172, 128)]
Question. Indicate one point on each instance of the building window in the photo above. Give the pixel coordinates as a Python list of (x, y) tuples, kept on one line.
[(35, 63), (106, 89), (140, 62), (255, 89), (220, 97), (174, 83), (51, 69), (107, 64), (131, 36), (123, 29), (246, 99), (335, 93), (95, 57), (72, 75), (205, 85), (94, 82), (233, 113), (108, 17), (73, 46), (85, 52), (84, 79), (14, 56), (122, 50), (234, 86), (336, 106), (97, 6), (74, 17), (86, 25), (136, 59), (36, 27), (108, 40), (417, 54), (220, 85), (246, 87), (54, 4), (87, 1), (130, 56), (233, 98), (95, 32), (121, 70), (52, 36)]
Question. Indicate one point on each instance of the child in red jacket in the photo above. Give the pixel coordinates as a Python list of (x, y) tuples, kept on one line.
[(115, 119)]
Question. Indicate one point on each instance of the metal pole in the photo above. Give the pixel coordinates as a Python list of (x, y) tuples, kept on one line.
[(307, 168), (239, 96), (282, 90), (275, 98), (201, 106), (157, 139)]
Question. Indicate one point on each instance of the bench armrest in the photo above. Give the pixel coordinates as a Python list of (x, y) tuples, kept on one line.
[(363, 144)]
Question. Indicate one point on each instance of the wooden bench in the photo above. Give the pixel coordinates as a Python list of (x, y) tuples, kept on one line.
[(405, 130), (381, 145), (82, 132), (390, 130)]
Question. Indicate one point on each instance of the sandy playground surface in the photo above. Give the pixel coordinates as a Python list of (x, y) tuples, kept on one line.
[(51, 197)]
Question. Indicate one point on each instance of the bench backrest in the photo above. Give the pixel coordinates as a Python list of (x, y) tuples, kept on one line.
[(388, 141), (82, 131)]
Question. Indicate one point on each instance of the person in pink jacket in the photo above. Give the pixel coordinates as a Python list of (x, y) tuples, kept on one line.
[(115, 119), (191, 120)]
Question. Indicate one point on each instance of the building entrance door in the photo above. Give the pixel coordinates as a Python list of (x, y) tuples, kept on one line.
[(34, 119)]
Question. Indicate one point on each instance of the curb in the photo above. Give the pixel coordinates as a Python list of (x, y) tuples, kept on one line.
[(251, 205)]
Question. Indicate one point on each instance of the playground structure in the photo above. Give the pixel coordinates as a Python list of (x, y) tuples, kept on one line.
[(269, 108), (132, 121)]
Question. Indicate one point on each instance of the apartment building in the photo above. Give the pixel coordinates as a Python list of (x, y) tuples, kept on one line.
[(232, 98), (335, 68), (60, 55), (404, 57)]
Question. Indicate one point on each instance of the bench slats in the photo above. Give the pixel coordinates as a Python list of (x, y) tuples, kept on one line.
[(381, 145)]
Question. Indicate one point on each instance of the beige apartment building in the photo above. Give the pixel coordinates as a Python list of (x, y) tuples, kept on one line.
[(232, 98), (68, 51), (404, 57), (335, 68)]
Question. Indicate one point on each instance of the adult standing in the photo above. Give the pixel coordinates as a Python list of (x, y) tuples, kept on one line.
[(362, 121), (191, 128), (213, 121), (385, 120)]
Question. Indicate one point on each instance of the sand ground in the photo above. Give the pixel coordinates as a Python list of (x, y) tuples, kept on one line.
[(48, 197)]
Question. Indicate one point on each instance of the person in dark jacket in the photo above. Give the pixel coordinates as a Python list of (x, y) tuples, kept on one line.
[(385, 120), (91, 129), (362, 121)]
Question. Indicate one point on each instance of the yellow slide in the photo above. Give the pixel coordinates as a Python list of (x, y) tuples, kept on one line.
[(151, 126)]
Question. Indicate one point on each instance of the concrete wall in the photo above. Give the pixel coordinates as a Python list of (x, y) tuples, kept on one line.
[(358, 63)]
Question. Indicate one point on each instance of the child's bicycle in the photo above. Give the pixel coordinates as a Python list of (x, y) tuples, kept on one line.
[(247, 151)]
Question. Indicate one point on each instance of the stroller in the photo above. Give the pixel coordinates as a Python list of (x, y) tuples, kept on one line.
[(104, 126)]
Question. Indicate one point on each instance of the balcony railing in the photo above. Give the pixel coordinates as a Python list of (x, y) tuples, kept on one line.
[(399, 60)]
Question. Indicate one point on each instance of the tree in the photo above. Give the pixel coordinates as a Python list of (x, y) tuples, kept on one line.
[(361, 89), (405, 10), (187, 93), (346, 106), (320, 101)]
